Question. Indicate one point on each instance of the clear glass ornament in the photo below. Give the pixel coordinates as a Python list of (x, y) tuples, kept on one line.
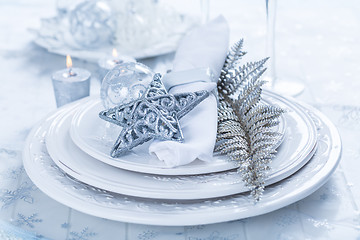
[(92, 24), (125, 83)]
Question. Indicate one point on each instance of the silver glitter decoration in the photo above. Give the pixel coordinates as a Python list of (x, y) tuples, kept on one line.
[(245, 126), (154, 115)]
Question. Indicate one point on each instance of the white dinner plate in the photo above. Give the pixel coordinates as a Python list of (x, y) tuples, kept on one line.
[(98, 141), (83, 167), (91, 200)]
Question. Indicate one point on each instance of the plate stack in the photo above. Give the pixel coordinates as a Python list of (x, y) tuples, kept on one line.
[(67, 157)]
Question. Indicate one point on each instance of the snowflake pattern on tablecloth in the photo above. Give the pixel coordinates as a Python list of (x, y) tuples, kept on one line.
[(287, 219), (39, 236), (29, 221), (9, 197), (324, 196), (12, 173), (85, 234), (65, 225), (147, 235)]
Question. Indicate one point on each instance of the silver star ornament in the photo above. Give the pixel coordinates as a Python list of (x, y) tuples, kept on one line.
[(155, 115)]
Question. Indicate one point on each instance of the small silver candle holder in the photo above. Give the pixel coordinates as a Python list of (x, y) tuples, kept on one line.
[(70, 84), (108, 63)]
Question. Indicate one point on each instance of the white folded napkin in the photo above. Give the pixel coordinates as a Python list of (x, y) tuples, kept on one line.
[(205, 47)]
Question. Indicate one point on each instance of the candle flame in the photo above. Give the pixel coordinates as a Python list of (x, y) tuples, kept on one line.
[(68, 61), (114, 53)]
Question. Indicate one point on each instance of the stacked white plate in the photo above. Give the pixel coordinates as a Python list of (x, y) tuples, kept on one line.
[(67, 157)]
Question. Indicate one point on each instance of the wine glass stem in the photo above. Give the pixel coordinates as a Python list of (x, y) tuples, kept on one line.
[(270, 41), (205, 8)]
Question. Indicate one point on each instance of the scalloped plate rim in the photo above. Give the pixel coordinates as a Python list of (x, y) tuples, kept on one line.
[(67, 162)]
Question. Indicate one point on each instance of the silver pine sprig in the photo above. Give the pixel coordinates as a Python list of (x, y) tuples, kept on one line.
[(245, 125)]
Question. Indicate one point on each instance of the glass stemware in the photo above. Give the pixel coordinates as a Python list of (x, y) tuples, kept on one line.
[(205, 9), (280, 86)]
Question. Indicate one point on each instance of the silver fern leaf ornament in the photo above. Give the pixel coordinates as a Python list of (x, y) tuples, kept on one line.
[(245, 125)]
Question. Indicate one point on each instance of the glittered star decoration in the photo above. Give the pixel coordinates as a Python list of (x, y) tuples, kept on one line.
[(155, 114)]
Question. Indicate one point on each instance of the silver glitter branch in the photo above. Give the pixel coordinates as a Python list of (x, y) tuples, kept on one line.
[(245, 126), (234, 55)]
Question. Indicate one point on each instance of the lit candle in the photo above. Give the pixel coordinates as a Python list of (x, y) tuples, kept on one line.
[(108, 63), (70, 84)]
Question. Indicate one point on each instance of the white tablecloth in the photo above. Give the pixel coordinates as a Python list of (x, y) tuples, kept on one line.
[(317, 43)]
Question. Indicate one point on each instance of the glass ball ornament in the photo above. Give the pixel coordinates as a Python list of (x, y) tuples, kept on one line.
[(92, 24), (125, 83)]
